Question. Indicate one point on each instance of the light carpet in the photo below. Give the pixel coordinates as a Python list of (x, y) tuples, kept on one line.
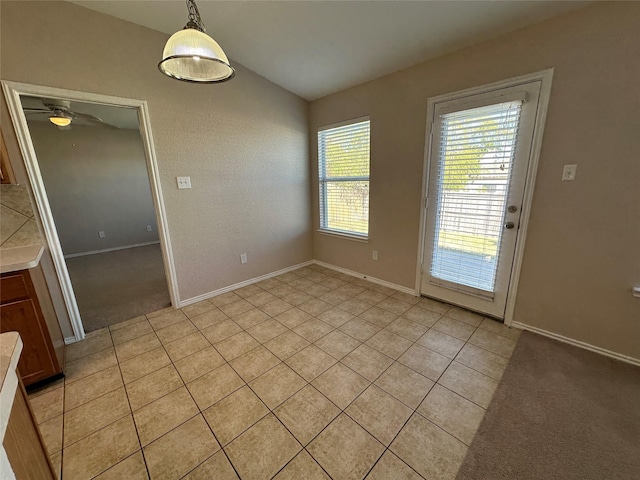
[(115, 286), (559, 412)]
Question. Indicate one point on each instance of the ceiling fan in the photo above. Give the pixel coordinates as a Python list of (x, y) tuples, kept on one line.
[(60, 114)]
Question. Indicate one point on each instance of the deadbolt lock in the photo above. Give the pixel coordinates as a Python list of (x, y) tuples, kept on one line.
[(512, 209)]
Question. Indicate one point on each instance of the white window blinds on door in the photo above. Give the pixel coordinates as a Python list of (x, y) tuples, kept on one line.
[(343, 164), (477, 148)]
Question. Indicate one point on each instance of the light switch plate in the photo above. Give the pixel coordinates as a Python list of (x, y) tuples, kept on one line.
[(184, 182), (569, 173)]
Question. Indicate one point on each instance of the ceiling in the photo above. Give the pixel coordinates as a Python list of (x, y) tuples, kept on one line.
[(120, 117), (315, 48)]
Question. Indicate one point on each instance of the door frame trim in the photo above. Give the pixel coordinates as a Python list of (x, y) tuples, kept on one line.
[(545, 78), (12, 92)]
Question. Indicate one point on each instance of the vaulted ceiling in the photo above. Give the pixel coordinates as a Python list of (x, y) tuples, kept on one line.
[(315, 48)]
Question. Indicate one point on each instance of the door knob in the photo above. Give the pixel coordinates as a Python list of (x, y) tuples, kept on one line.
[(509, 225)]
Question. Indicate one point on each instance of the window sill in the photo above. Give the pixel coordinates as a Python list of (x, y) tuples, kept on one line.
[(346, 236)]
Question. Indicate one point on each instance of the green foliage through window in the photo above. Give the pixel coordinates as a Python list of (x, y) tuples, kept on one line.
[(343, 161)]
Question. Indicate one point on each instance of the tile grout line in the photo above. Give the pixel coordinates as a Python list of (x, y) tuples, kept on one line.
[(340, 409), (64, 398), (104, 426), (201, 412), (135, 426), (177, 426), (283, 361)]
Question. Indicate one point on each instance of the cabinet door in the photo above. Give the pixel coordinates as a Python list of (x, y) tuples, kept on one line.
[(36, 362), (23, 443)]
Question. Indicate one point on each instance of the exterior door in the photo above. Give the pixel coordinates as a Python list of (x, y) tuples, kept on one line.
[(479, 152)]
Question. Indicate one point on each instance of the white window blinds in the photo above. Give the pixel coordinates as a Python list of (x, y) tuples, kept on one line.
[(343, 164), (477, 148)]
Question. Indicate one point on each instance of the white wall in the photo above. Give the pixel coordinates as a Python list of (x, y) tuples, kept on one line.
[(96, 180), (581, 253), (244, 143)]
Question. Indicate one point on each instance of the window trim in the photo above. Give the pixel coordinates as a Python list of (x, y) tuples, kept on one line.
[(343, 234), (322, 183)]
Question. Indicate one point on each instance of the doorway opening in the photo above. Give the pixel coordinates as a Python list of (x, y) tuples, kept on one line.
[(94, 177)]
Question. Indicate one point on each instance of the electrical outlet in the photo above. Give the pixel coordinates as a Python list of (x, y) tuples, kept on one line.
[(184, 182), (243, 258), (569, 173), (374, 255), (101, 234), (148, 228)]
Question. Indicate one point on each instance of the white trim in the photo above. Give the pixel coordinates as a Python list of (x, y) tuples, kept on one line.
[(384, 283), (12, 92), (578, 343), (113, 249), (545, 78), (346, 236), (469, 103), (70, 340), (244, 283), (353, 121)]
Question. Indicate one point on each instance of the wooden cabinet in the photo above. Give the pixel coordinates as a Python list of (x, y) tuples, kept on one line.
[(20, 312), (23, 443)]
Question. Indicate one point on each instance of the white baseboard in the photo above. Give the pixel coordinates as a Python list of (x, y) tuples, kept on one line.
[(215, 293), (384, 283), (94, 252), (400, 288), (578, 343)]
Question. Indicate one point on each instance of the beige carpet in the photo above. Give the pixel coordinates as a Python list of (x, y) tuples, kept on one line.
[(559, 413), (116, 286)]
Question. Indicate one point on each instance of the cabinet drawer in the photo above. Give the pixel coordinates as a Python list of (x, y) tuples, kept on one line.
[(13, 287)]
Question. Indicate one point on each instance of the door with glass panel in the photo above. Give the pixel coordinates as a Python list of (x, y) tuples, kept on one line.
[(479, 151)]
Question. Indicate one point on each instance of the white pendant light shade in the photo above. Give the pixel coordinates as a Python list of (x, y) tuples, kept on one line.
[(193, 56)]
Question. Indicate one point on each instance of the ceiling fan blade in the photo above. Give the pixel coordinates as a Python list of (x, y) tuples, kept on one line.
[(86, 116), (36, 110), (92, 119)]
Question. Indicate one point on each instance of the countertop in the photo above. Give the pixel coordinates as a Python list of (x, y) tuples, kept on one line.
[(21, 244), (20, 258)]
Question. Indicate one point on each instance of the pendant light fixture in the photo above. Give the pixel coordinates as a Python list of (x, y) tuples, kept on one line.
[(193, 56)]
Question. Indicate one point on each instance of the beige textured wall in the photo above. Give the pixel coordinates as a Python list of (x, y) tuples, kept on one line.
[(244, 143), (581, 256), (96, 180)]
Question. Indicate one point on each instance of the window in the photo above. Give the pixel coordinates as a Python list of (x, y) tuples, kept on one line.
[(343, 165)]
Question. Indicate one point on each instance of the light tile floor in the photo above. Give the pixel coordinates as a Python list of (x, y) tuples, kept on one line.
[(309, 375)]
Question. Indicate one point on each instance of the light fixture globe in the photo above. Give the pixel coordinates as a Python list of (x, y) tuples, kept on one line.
[(60, 119), (194, 56)]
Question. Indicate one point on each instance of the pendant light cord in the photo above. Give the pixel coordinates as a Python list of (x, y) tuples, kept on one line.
[(194, 17)]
